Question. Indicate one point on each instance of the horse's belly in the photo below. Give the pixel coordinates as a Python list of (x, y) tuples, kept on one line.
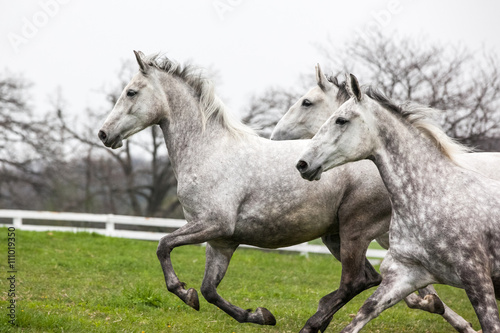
[(281, 232)]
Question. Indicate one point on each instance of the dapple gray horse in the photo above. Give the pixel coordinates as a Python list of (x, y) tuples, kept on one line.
[(445, 225), (237, 188), (304, 119)]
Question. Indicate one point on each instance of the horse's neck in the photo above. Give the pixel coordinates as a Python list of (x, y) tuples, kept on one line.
[(410, 165), (188, 139)]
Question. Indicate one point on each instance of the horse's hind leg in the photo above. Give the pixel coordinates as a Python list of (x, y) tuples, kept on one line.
[(191, 233), (428, 300), (217, 261), (357, 275)]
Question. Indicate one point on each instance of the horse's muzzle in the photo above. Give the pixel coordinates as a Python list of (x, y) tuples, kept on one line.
[(113, 143), (307, 172)]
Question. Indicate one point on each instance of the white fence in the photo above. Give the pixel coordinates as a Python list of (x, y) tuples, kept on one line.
[(110, 226)]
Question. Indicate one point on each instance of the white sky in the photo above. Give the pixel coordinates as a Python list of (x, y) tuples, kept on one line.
[(78, 45)]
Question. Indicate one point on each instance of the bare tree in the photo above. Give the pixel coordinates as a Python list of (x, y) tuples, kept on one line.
[(28, 145), (265, 110), (466, 86)]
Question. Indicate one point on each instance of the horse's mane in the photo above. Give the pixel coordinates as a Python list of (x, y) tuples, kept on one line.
[(342, 93), (422, 118), (212, 108), (417, 115)]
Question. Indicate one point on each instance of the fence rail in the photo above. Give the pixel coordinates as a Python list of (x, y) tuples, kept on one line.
[(111, 224)]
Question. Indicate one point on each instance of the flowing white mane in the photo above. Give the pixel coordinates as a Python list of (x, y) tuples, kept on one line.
[(212, 108)]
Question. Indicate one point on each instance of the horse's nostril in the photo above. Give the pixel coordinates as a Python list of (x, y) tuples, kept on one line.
[(302, 166), (102, 135)]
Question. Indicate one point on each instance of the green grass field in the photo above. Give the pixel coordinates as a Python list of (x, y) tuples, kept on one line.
[(84, 282)]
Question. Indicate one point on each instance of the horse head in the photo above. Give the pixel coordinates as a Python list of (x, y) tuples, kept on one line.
[(306, 116), (140, 105), (345, 137)]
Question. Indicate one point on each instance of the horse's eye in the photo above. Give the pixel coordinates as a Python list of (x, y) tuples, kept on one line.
[(341, 121), (131, 93), (306, 103)]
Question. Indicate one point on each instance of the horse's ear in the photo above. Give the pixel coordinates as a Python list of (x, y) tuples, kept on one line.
[(323, 83), (140, 60), (335, 81), (353, 87)]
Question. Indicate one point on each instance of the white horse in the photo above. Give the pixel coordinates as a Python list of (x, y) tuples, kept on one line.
[(445, 225), (237, 188)]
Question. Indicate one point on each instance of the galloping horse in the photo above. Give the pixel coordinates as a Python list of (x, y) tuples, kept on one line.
[(304, 119), (235, 187), (445, 225)]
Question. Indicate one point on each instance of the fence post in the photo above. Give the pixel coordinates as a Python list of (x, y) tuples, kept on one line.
[(305, 252), (17, 222), (110, 225)]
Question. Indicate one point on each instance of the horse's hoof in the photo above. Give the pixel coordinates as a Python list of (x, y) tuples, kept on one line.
[(192, 299), (261, 316), (437, 305), (267, 316)]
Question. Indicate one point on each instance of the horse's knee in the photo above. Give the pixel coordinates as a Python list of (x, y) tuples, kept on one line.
[(343, 294), (368, 309), (160, 253), (364, 280), (209, 292), (163, 250)]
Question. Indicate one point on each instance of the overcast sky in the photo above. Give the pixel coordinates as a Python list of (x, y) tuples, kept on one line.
[(79, 45)]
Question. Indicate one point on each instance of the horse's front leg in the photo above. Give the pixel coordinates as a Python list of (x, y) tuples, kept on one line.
[(190, 233), (357, 275), (398, 282), (217, 261), (362, 216), (480, 290)]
